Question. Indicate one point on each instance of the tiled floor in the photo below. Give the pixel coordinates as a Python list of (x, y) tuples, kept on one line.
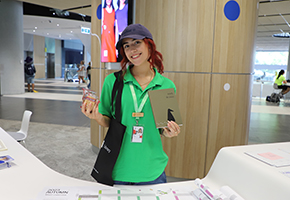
[(56, 102)]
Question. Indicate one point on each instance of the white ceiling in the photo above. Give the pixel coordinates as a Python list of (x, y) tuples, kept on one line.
[(57, 28), (274, 16)]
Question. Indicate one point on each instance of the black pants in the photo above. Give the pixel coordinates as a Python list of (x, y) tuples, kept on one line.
[(285, 88)]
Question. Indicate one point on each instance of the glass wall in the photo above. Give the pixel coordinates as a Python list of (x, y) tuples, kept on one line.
[(267, 66)]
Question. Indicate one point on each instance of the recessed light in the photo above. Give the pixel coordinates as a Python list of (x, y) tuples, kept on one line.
[(36, 27), (57, 24), (33, 30)]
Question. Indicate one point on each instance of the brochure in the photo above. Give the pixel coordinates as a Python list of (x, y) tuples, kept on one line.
[(165, 107), (2, 146), (274, 157), (5, 160)]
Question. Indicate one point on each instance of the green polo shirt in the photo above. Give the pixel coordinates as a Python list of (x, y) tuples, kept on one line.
[(137, 162), (280, 80)]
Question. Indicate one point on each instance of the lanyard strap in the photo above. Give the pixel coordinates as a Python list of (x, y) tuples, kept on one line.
[(138, 109)]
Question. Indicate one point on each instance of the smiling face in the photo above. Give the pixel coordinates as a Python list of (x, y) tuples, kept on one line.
[(108, 2), (136, 51)]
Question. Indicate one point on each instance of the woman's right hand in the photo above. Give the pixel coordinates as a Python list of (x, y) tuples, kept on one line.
[(92, 111)]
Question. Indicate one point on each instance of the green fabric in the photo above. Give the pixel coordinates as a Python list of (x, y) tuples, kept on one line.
[(137, 162), (280, 80)]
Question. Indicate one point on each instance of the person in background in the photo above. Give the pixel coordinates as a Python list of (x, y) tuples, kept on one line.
[(108, 33), (82, 72), (141, 161), (280, 81), (121, 21), (89, 74), (29, 71)]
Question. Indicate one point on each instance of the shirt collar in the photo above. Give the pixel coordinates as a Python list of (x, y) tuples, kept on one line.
[(157, 80)]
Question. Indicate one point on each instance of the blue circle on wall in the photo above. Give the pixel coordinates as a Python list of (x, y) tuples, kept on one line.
[(232, 10), (99, 11)]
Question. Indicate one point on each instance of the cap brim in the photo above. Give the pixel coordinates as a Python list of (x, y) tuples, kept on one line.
[(136, 37)]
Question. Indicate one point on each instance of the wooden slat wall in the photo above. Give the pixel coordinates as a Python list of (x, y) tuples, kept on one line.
[(234, 40), (182, 31), (229, 113), (95, 58), (39, 56), (202, 51), (187, 151), (233, 55)]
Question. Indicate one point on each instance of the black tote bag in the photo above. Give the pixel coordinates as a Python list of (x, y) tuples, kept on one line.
[(110, 149)]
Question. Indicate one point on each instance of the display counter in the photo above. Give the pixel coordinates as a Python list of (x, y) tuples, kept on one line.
[(251, 178)]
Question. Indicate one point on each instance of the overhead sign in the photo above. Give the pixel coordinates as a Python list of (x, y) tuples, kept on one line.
[(85, 30)]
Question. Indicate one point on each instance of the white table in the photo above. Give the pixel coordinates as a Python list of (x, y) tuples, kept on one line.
[(248, 176), (252, 179)]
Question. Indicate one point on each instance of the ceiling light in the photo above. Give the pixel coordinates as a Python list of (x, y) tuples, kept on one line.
[(33, 30), (57, 24), (35, 27), (282, 35)]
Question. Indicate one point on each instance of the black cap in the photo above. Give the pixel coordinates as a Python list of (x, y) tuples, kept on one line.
[(28, 59), (135, 31)]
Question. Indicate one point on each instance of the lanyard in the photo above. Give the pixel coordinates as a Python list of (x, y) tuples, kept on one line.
[(138, 109)]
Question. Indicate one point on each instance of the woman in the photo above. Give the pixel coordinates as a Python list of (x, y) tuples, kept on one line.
[(121, 17), (108, 34), (89, 68), (121, 21), (280, 80), (81, 72), (141, 161)]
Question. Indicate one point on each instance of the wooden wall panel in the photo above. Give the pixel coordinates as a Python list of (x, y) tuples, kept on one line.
[(39, 56), (182, 31), (58, 58), (234, 40), (229, 113), (95, 59), (187, 151)]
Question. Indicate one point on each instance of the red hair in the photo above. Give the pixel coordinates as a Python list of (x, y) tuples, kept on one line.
[(155, 58)]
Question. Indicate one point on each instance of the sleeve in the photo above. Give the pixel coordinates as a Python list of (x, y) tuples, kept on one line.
[(106, 95)]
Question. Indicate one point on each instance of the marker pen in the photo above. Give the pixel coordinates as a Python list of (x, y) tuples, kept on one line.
[(206, 190), (200, 195)]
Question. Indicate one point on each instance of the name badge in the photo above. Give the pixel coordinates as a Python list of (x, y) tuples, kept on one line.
[(137, 134), (137, 114)]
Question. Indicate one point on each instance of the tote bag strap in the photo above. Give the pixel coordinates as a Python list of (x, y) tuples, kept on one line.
[(117, 89)]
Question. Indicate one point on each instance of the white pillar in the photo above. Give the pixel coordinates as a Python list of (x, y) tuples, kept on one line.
[(11, 47), (288, 64)]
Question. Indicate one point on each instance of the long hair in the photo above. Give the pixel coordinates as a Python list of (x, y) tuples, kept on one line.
[(280, 73), (155, 58), (118, 3), (105, 4)]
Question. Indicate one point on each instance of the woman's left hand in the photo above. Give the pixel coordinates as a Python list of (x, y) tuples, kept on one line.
[(172, 129)]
